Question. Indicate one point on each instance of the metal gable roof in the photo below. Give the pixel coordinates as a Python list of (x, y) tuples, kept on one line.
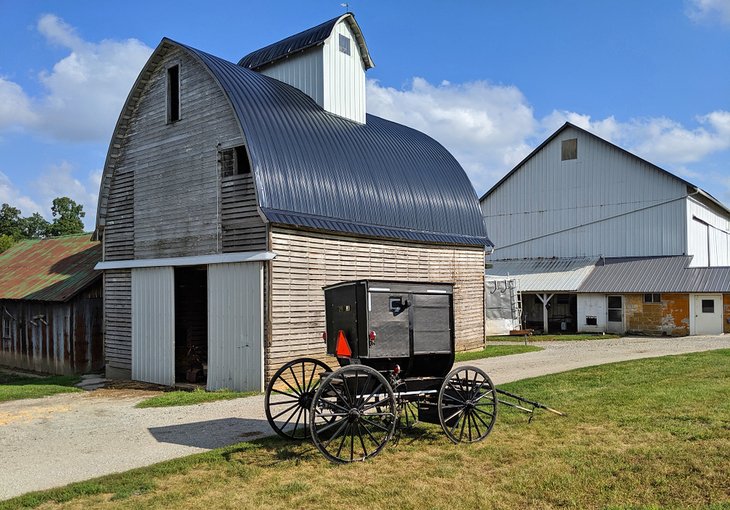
[(318, 170), (302, 41), (657, 274), (49, 269), (545, 275)]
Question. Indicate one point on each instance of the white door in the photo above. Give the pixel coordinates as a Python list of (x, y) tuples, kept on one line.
[(153, 325), (235, 326), (615, 319), (707, 314)]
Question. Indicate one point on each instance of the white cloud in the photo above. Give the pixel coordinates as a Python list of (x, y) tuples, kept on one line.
[(59, 181), (85, 90), (9, 194), (710, 10), (484, 125)]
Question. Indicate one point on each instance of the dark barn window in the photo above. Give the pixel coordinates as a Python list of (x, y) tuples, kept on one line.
[(344, 44), (569, 149), (652, 298), (173, 93), (708, 306), (234, 161)]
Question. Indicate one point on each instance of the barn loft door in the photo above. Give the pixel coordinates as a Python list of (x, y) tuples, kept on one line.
[(235, 326), (153, 325)]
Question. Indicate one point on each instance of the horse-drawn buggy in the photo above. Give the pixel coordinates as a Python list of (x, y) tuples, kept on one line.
[(394, 342)]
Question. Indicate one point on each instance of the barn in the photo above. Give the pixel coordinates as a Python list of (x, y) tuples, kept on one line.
[(232, 193), (51, 306), (601, 240)]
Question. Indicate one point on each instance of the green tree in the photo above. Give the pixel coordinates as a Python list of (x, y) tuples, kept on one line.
[(10, 221), (5, 242), (34, 226), (67, 216)]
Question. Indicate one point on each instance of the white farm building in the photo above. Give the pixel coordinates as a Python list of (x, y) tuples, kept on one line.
[(602, 240)]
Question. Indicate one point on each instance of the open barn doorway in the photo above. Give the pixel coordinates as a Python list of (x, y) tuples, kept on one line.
[(191, 325)]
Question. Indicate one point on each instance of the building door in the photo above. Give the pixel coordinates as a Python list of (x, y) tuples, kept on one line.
[(707, 314), (615, 319), (235, 326), (153, 325)]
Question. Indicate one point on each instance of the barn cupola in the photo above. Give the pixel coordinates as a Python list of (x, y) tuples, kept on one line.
[(326, 62)]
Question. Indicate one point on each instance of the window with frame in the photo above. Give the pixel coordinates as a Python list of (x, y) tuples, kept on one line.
[(569, 149), (7, 327), (652, 298), (344, 44), (234, 161), (708, 306)]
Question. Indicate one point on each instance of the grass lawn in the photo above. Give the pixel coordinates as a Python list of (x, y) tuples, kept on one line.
[(551, 338), (643, 434), (15, 386), (186, 398), (491, 351)]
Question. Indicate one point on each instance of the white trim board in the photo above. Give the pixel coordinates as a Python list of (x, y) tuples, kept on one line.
[(222, 258)]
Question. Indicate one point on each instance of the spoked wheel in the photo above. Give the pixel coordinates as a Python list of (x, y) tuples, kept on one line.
[(467, 405), (358, 409), (408, 414), (289, 396)]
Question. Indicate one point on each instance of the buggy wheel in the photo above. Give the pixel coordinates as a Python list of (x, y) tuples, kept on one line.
[(358, 409), (408, 414), (289, 397), (467, 405)]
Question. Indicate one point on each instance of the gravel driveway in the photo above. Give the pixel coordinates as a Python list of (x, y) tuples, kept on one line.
[(57, 440)]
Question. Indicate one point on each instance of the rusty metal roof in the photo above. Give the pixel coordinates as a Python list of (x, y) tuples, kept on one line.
[(49, 269)]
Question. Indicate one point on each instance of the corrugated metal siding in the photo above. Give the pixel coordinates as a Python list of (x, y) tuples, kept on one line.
[(545, 275), (308, 162), (235, 326), (606, 202), (49, 269), (708, 238), (153, 325), (303, 71), (344, 77)]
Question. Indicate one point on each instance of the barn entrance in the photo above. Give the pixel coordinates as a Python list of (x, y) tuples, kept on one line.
[(191, 324)]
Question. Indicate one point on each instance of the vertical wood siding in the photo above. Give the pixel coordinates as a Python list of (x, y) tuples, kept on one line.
[(235, 326), (153, 325), (344, 76), (68, 339), (118, 322), (241, 225), (306, 262), (554, 208)]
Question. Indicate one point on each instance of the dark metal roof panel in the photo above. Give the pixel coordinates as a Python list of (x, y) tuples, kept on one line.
[(302, 41), (49, 269), (378, 178), (658, 274)]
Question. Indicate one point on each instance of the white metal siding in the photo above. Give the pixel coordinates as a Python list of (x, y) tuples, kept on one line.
[(153, 325), (591, 305), (235, 326), (344, 76), (303, 71), (605, 202), (708, 234)]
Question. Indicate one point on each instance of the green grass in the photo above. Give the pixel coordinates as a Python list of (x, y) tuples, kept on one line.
[(491, 351), (551, 338), (644, 434), (15, 386), (187, 398)]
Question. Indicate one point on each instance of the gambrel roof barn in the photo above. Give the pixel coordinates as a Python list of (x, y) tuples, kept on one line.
[(246, 187)]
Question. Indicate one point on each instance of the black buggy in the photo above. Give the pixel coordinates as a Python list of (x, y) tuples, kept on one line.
[(394, 342)]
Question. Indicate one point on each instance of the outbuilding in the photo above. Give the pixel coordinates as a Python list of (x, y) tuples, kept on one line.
[(233, 193)]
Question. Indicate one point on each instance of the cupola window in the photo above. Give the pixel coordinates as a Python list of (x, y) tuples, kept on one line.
[(344, 44)]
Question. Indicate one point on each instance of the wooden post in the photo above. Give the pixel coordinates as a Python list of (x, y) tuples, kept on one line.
[(545, 300)]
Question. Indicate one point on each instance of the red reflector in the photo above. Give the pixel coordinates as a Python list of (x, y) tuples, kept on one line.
[(343, 348)]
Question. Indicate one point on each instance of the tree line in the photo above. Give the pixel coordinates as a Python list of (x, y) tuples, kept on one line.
[(67, 220)]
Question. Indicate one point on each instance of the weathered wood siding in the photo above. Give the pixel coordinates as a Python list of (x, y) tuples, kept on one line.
[(54, 338), (306, 262), (242, 226), (166, 198)]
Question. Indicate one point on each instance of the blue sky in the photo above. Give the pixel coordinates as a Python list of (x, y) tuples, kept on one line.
[(489, 79)]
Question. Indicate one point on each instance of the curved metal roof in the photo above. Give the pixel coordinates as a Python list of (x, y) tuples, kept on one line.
[(317, 170), (304, 40)]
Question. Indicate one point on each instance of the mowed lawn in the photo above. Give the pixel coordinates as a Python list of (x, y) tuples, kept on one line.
[(15, 386), (643, 434)]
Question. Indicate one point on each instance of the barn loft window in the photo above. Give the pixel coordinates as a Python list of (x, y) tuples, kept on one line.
[(652, 298), (234, 161), (173, 93), (569, 149), (344, 44)]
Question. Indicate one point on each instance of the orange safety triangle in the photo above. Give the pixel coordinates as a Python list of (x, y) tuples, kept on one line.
[(343, 347)]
